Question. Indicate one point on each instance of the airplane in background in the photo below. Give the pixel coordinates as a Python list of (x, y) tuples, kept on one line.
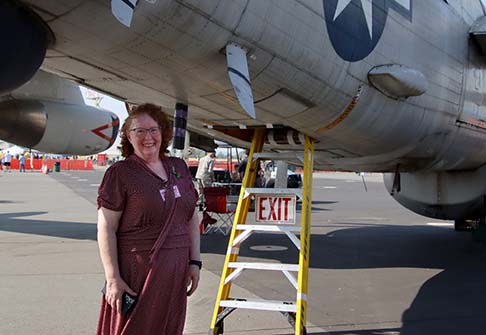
[(392, 86)]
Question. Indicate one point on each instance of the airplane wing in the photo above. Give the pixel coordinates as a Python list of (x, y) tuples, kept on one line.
[(175, 52)]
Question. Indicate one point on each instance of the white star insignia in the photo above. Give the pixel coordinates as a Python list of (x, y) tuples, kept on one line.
[(405, 3), (367, 7)]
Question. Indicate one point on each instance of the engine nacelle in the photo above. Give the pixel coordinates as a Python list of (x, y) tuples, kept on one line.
[(25, 38), (57, 127), (452, 195)]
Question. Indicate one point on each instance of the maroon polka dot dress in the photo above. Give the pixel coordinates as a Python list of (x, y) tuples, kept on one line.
[(153, 244)]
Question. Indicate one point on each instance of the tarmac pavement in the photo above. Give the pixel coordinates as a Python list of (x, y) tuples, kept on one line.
[(376, 268), (50, 271)]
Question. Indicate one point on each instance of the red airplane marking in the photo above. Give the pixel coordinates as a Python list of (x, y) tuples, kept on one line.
[(97, 131)]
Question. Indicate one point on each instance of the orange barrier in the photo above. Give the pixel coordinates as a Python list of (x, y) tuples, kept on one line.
[(66, 164), (219, 164)]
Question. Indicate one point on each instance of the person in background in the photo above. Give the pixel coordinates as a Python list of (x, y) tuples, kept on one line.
[(44, 167), (27, 157), (7, 161), (148, 231), (22, 163), (205, 172), (205, 178), (242, 165), (235, 175)]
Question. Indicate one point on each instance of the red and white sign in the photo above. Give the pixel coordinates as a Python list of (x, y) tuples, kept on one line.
[(275, 209)]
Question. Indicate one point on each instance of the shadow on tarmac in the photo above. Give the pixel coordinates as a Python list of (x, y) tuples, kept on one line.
[(450, 303), (13, 222), (316, 209), (386, 331)]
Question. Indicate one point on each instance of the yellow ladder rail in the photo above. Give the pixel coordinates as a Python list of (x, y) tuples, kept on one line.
[(301, 315), (240, 218)]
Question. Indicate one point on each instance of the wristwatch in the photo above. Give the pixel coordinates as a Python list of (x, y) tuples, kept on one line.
[(194, 262)]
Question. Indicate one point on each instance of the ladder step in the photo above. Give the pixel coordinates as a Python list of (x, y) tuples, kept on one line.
[(263, 305), (264, 266), (273, 191), (279, 228)]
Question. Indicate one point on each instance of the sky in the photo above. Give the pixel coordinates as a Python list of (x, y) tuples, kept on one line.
[(96, 99)]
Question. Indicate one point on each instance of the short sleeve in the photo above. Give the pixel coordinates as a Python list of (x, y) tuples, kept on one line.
[(112, 193)]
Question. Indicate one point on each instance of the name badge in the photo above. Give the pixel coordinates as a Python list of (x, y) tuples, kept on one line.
[(162, 194), (177, 194)]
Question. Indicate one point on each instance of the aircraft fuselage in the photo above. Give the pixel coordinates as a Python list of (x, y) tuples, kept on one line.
[(390, 86)]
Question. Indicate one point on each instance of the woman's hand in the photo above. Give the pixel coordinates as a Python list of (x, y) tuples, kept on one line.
[(114, 292), (192, 279)]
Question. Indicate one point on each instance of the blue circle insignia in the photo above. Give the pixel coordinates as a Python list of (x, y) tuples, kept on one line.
[(355, 26)]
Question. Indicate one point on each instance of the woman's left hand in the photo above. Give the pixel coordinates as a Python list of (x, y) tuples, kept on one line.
[(192, 279)]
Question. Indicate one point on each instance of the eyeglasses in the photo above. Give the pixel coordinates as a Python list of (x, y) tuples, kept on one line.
[(142, 132)]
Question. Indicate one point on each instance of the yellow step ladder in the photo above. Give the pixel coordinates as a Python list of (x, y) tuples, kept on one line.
[(295, 311)]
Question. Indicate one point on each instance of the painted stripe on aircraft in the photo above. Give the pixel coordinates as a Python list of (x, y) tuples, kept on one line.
[(345, 114), (239, 74), (129, 4), (97, 131)]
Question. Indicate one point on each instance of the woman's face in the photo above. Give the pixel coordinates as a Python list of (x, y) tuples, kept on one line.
[(145, 136)]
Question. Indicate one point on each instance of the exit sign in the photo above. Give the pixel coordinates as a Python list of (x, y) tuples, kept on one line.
[(275, 209)]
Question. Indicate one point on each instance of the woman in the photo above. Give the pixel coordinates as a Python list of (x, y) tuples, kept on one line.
[(148, 231)]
